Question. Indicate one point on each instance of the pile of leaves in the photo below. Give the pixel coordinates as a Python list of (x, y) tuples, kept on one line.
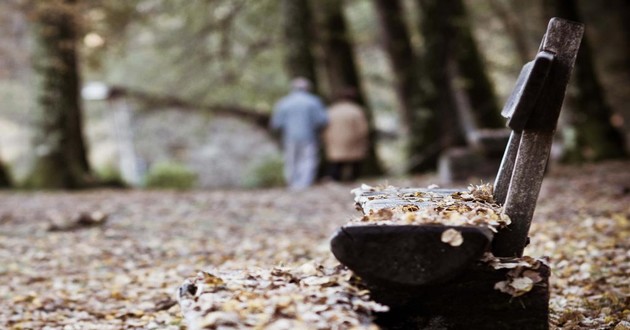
[(523, 274), (308, 297), (125, 272)]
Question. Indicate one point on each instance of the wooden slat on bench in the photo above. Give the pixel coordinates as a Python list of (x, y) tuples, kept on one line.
[(409, 255), (518, 109)]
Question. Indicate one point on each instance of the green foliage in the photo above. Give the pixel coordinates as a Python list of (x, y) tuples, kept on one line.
[(230, 52), (265, 173), (50, 172), (46, 177), (110, 176), (170, 175)]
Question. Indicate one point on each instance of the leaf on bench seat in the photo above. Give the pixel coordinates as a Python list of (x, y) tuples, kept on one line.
[(453, 237), (397, 206)]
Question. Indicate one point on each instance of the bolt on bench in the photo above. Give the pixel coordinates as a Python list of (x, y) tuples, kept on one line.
[(448, 259)]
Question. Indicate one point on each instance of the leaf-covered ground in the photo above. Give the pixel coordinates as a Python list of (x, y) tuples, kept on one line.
[(124, 273)]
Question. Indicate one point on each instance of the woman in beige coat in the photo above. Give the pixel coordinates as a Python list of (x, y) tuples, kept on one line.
[(345, 138)]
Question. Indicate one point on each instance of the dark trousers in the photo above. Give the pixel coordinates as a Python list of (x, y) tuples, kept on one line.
[(344, 171)]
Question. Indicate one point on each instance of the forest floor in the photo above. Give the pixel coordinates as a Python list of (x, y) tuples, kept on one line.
[(124, 272)]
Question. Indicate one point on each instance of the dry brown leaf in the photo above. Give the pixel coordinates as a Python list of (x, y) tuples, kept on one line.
[(452, 237)]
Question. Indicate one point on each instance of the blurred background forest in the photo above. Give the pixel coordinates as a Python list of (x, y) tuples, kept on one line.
[(177, 93)]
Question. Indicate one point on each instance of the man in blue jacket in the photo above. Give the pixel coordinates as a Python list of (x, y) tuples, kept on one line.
[(299, 117)]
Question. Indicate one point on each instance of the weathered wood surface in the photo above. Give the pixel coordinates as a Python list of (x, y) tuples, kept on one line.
[(563, 40), (517, 110), (520, 203), (502, 181), (372, 201), (529, 86), (408, 254)]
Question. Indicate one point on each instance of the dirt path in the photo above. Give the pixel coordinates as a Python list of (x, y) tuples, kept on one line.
[(124, 274)]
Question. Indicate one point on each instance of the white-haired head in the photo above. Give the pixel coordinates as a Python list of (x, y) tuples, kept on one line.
[(301, 83)]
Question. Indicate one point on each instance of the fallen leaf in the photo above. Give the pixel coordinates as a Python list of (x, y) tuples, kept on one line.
[(452, 237)]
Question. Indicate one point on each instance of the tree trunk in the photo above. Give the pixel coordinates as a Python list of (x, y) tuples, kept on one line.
[(512, 26), (397, 44), (338, 54), (449, 43), (61, 160), (5, 181), (472, 68), (589, 113), (299, 59), (342, 70), (623, 10), (437, 57), (418, 116)]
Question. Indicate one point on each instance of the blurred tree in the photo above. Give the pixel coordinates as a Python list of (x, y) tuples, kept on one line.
[(624, 12), (61, 160), (451, 63), (589, 115), (438, 54), (608, 28), (342, 70), (512, 25), (223, 52), (338, 55), (456, 35), (5, 182), (418, 117), (298, 40), (13, 43), (397, 44), (157, 101)]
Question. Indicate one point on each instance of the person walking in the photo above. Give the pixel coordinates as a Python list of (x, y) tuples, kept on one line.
[(346, 137), (299, 117)]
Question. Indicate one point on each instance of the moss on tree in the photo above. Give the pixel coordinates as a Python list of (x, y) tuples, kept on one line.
[(61, 157)]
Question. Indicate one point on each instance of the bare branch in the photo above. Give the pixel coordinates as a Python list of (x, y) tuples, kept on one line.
[(153, 101)]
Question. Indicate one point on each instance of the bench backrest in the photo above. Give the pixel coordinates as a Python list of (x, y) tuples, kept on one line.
[(532, 111)]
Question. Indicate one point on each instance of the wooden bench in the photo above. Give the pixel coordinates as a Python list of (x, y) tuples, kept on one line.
[(460, 264), (481, 156)]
